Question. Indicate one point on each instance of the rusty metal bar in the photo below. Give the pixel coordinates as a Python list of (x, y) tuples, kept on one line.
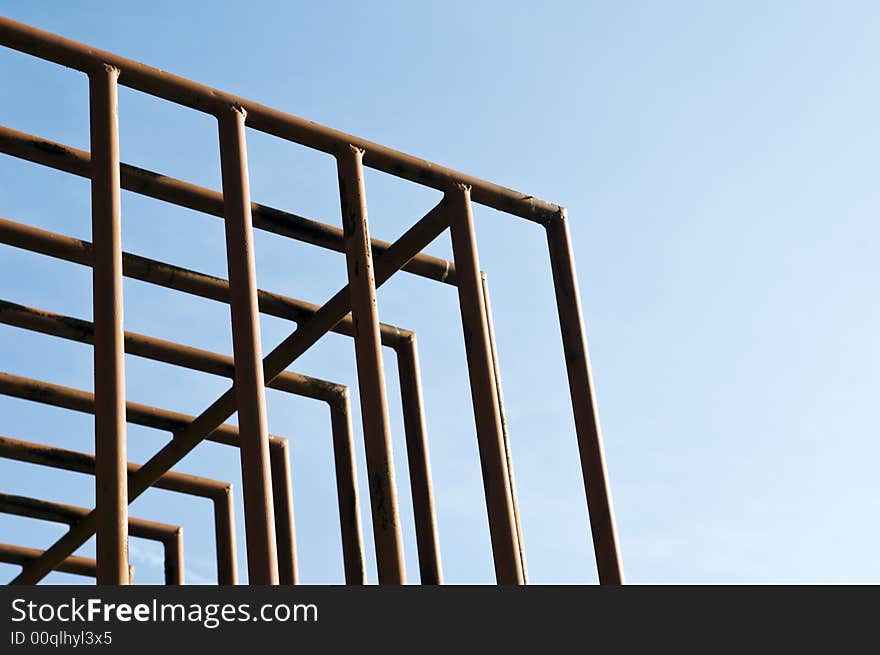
[(170, 536), (583, 400), (146, 415), (69, 327), (103, 168), (85, 566), (150, 80), (401, 251), (224, 536), (250, 389), (490, 438), (180, 279), (111, 500), (335, 395), (207, 201), (402, 341), (220, 493), (511, 479), (285, 532), (371, 376), (347, 492), (175, 570), (427, 539), (77, 400)]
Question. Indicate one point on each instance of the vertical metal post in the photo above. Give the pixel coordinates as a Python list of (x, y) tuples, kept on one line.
[(174, 566), (371, 376), (347, 493), (427, 539), (511, 478), (285, 529), (583, 400), (484, 395), (250, 390), (224, 534), (111, 470)]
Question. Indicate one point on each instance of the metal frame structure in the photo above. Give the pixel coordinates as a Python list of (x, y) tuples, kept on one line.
[(219, 493), (352, 311), (170, 536), (74, 564)]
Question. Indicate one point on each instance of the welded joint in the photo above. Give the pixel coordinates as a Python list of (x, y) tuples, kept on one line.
[(235, 109), (445, 275), (107, 69), (561, 215), (350, 149), (223, 494)]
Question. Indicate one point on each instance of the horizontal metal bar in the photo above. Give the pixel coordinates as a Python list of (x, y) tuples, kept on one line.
[(77, 462), (170, 536), (82, 401), (169, 352), (46, 510), (206, 201), (414, 240), (402, 341), (220, 493), (52, 244), (335, 395), (74, 564), (67, 52)]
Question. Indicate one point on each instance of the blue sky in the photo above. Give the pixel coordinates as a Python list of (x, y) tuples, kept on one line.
[(718, 161)]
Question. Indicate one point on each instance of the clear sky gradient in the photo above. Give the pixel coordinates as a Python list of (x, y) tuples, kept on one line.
[(719, 164)]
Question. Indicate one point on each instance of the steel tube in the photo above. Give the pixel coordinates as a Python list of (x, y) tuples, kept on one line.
[(511, 479), (401, 251), (347, 492), (150, 80), (146, 415), (77, 251), (427, 539), (336, 396), (402, 341), (69, 327), (109, 362), (371, 376), (583, 401), (170, 536), (490, 438), (77, 400), (285, 530), (250, 393), (207, 201), (220, 493), (85, 566)]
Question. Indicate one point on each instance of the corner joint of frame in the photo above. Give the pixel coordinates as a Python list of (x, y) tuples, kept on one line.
[(560, 216), (348, 150), (338, 398), (238, 109)]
